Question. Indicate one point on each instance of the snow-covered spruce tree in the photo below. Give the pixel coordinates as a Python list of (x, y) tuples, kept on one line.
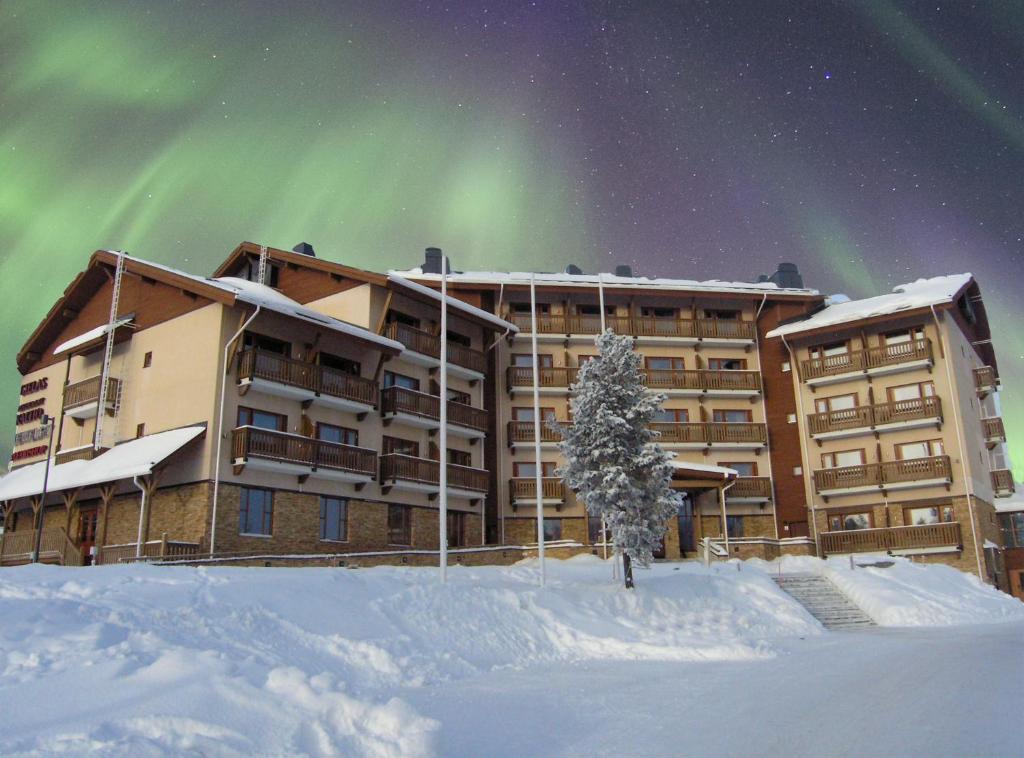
[(611, 460)]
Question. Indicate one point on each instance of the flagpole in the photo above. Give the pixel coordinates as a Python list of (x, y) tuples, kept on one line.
[(442, 520), (536, 430), (600, 297)]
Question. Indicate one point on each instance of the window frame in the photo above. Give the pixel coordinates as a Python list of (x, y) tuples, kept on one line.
[(718, 415), (346, 433), (931, 444), (834, 455), (839, 519), (403, 529), (326, 500), (243, 410), (266, 517)]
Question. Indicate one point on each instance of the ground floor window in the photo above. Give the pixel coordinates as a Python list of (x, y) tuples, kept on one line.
[(842, 522), (256, 511), (734, 525), (594, 531), (922, 516), (456, 529), (399, 525), (333, 519), (552, 529)]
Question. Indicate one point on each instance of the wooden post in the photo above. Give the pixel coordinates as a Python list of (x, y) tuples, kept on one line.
[(163, 544)]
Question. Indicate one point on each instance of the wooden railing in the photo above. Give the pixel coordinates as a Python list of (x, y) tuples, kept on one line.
[(750, 487), (525, 488), (865, 360), (709, 433), (985, 379), (88, 391), (253, 442), (702, 379), (548, 376), (77, 454), (880, 474), (17, 546), (426, 343), (868, 416), (161, 549), (271, 367), (636, 326), (892, 538), (403, 400), (54, 547), (993, 429), (1002, 481), (522, 431), (394, 466)]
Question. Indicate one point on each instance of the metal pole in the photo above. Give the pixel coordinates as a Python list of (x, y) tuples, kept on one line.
[(443, 463), (600, 298), (42, 498), (536, 430)]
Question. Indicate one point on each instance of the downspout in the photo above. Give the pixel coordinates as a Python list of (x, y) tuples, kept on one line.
[(968, 482), (220, 427), (764, 415), (142, 515), (803, 447)]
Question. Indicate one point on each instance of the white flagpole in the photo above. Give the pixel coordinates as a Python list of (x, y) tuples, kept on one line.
[(442, 519), (536, 431), (600, 296)]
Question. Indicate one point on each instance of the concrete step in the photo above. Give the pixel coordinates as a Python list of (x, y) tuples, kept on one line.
[(824, 601)]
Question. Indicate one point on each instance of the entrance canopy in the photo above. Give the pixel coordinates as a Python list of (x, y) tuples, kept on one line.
[(137, 457), (713, 476)]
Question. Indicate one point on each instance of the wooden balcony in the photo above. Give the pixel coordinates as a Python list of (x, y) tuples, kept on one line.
[(1002, 482), (900, 414), (84, 453), (152, 551), (885, 359), (462, 361), (424, 475), (81, 399), (713, 434), (287, 377), (424, 410), (54, 547), (905, 474), (550, 379), (899, 539), (646, 328), (985, 380), (523, 490), (703, 382), (750, 489), (281, 452), (992, 431), (521, 433)]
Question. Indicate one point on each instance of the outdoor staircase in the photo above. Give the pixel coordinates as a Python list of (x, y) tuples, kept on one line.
[(824, 601)]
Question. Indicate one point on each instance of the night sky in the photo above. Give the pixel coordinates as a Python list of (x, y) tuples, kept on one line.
[(869, 142)]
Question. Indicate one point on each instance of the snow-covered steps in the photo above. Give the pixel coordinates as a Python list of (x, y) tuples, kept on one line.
[(824, 601)]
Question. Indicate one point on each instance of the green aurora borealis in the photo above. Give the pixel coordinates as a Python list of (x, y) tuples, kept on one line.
[(511, 137)]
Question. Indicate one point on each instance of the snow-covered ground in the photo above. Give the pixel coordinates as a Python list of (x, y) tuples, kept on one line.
[(141, 660)]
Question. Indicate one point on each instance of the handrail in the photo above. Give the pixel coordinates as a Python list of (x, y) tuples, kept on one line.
[(253, 442), (254, 363), (864, 360), (880, 474), (525, 488), (635, 326), (879, 414)]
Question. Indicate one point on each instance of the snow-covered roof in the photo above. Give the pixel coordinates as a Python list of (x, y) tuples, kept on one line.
[(609, 280), (705, 468), (89, 336), (134, 458), (919, 294), (454, 302)]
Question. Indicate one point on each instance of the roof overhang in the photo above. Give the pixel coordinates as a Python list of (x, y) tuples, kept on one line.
[(431, 296)]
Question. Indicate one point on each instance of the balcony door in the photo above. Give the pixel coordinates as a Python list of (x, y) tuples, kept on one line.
[(275, 422)]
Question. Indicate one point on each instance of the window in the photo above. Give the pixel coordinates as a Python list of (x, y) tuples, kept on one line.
[(543, 309), (744, 468), (650, 312), (843, 458), (721, 315), (261, 419), (525, 360), (925, 449), (1012, 525), (522, 469), (458, 339), (399, 525), (398, 446), (966, 309), (552, 529), (934, 515), (727, 364), (903, 336), (333, 519), (829, 350), (147, 359), (730, 416), (665, 364), (456, 529), (391, 379), (594, 534), (581, 360), (588, 309), (457, 396), (734, 525), (269, 344), (845, 522), (336, 362), (256, 512), (836, 403), (911, 391), (339, 434), (460, 457), (396, 317), (140, 430), (526, 414), (671, 415)]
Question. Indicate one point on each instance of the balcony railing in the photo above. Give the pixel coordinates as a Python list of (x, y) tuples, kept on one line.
[(866, 360), (253, 442), (521, 432), (637, 326), (870, 416), (750, 488), (547, 376), (86, 453), (710, 433), (322, 380), (525, 488), (703, 380), (403, 400), (992, 429), (88, 391), (54, 547), (154, 550), (429, 344), (1002, 482), (396, 466), (881, 474), (892, 538), (985, 380)]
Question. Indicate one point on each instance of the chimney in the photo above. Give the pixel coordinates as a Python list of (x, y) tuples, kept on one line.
[(573, 269), (624, 271), (432, 261), (787, 276), (304, 248)]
